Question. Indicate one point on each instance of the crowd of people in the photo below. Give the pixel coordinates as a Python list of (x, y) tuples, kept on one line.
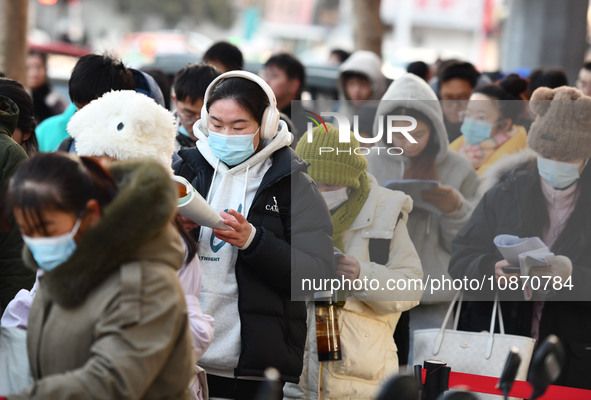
[(107, 292)]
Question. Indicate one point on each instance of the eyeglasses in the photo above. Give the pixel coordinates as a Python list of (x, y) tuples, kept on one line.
[(466, 114), (188, 118)]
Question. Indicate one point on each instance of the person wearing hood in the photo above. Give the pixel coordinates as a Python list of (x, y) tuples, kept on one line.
[(109, 318), (13, 275), (361, 84), (431, 229), (370, 230), (279, 232), (545, 193)]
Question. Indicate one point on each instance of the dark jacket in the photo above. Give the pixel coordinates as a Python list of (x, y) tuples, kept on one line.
[(474, 255), (289, 245), (13, 275)]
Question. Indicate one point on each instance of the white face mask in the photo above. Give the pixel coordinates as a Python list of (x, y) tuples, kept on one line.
[(335, 198), (558, 174)]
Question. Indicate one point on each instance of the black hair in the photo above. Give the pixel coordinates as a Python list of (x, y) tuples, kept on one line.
[(15, 91), (508, 91), (547, 77), (41, 54), (341, 54), (162, 80), (292, 67), (248, 94), (419, 68), (455, 69), (58, 182), (191, 81), (95, 75), (587, 65), (227, 54)]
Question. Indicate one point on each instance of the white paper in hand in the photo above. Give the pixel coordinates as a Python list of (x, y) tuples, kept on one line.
[(512, 246), (194, 207), (526, 252)]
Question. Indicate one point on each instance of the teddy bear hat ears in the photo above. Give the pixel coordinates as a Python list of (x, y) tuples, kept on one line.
[(562, 128)]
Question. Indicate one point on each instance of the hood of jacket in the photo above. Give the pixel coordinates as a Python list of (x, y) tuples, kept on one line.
[(410, 91), (367, 63), (8, 116), (136, 225)]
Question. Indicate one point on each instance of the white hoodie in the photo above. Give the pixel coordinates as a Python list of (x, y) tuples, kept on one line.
[(231, 188)]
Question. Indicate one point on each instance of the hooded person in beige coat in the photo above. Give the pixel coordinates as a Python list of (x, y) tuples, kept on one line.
[(440, 213), (109, 320), (370, 229)]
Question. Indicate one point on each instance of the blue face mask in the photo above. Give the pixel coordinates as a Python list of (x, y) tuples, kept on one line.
[(183, 131), (50, 252), (476, 131), (232, 149), (558, 174)]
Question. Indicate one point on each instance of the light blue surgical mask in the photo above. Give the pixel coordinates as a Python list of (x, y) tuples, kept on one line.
[(50, 252), (232, 149), (476, 131), (558, 174), (183, 131)]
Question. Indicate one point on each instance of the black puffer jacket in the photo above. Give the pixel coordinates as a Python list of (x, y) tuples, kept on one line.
[(474, 255), (289, 245)]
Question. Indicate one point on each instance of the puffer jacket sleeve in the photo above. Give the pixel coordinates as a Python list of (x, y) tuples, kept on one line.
[(131, 348), (473, 251), (309, 252), (403, 267)]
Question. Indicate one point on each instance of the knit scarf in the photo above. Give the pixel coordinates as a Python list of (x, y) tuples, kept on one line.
[(345, 214), (477, 154)]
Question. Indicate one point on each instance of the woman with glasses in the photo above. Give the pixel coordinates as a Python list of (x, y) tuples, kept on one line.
[(489, 129)]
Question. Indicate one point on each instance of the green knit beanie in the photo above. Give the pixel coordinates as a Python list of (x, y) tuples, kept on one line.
[(341, 169)]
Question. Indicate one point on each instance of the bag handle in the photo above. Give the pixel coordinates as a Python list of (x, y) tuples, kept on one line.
[(460, 295)]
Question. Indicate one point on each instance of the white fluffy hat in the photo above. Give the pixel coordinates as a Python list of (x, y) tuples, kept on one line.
[(124, 125)]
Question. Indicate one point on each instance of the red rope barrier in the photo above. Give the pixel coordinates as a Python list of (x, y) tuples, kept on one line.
[(520, 389)]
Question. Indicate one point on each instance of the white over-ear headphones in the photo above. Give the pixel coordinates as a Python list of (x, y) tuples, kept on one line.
[(270, 120)]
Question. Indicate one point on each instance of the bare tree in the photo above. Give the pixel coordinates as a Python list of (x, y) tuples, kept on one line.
[(367, 25), (15, 39)]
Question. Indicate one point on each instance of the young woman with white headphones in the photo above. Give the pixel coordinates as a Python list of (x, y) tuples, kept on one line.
[(244, 167)]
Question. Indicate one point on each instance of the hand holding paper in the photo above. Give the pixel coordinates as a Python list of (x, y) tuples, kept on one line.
[(194, 207), (532, 256), (240, 232), (560, 266)]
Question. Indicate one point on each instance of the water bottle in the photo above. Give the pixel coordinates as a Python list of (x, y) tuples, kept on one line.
[(327, 327)]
